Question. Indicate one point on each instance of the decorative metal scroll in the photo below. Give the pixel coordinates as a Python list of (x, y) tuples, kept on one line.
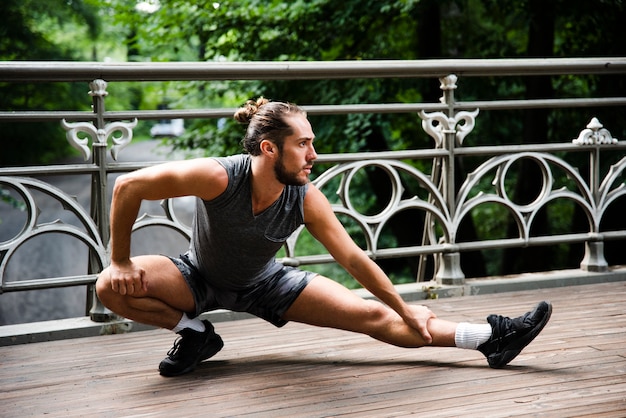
[(101, 133), (87, 232), (524, 214), (595, 134), (437, 124), (99, 136), (33, 228)]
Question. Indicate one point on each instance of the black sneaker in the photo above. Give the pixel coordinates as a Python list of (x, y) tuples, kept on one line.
[(189, 349), (509, 336)]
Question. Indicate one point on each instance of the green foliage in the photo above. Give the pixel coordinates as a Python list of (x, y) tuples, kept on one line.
[(252, 30), (35, 30), (276, 30)]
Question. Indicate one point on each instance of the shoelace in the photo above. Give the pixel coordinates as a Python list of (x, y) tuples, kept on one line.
[(175, 348), (515, 325)]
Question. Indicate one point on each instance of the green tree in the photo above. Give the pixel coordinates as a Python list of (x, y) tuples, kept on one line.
[(403, 29), (34, 30), (252, 30)]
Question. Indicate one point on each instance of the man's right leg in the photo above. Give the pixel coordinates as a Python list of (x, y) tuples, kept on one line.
[(164, 304)]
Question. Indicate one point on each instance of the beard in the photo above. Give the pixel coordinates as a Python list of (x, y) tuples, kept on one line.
[(288, 178)]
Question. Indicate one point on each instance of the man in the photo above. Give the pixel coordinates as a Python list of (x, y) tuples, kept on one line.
[(247, 207)]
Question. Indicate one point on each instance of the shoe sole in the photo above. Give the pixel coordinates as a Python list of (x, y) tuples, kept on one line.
[(214, 350), (509, 353)]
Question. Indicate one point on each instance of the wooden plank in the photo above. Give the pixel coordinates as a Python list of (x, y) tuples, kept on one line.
[(576, 367)]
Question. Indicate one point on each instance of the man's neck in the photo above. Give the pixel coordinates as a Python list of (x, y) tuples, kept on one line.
[(266, 189)]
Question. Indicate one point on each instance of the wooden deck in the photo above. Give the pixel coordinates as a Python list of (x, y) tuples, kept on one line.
[(576, 367)]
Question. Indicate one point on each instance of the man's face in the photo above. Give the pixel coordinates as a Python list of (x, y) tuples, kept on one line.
[(295, 161)]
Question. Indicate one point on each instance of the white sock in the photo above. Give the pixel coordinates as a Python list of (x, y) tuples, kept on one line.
[(471, 335), (195, 324)]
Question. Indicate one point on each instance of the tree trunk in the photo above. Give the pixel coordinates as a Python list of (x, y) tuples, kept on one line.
[(540, 44)]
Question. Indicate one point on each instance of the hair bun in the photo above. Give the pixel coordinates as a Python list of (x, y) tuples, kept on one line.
[(245, 113)]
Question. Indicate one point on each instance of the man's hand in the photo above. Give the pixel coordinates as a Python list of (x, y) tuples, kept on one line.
[(418, 319), (127, 279)]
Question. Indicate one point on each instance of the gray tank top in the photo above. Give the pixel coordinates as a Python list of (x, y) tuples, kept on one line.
[(230, 246)]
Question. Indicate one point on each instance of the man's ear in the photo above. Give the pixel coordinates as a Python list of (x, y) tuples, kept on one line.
[(268, 147)]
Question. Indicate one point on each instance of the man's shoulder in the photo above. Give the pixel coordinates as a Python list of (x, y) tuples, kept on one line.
[(237, 166), (314, 199), (234, 160)]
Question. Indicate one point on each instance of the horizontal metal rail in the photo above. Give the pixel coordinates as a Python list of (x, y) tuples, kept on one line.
[(302, 70), (43, 116), (57, 282)]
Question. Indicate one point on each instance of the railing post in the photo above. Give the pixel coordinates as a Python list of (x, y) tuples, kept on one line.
[(448, 131), (594, 249), (99, 208), (100, 132), (449, 266), (595, 136), (594, 257)]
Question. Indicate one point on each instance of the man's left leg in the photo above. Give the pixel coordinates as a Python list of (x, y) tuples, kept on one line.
[(326, 303)]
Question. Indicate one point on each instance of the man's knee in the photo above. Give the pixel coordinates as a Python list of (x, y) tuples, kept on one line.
[(103, 287), (378, 314)]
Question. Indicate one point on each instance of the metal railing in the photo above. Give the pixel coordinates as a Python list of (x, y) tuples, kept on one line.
[(445, 201)]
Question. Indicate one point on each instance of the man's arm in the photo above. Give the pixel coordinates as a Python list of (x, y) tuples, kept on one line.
[(203, 177), (321, 221)]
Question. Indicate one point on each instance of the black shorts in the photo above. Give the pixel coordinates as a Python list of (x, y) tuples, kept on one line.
[(268, 299)]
